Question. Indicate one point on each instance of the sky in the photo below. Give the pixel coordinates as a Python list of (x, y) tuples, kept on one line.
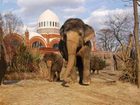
[(92, 12)]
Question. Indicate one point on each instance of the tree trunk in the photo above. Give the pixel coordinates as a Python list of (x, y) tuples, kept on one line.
[(3, 60), (136, 36)]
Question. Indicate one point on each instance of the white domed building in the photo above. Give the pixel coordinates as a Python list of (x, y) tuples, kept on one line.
[(47, 35), (48, 22)]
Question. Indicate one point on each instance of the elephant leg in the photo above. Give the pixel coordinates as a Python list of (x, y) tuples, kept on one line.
[(80, 75), (58, 76), (80, 68), (52, 76), (86, 71), (74, 75), (93, 71), (55, 77), (49, 73), (69, 68), (86, 65), (49, 66)]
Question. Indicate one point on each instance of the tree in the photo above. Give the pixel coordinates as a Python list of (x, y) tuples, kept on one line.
[(136, 37), (3, 63), (106, 40), (121, 26), (9, 23), (116, 33), (12, 23)]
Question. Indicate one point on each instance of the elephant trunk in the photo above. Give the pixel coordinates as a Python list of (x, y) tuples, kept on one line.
[(72, 44)]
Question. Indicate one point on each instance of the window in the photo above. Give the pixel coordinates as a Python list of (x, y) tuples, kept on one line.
[(37, 44), (56, 46), (44, 24), (41, 24), (55, 24), (50, 23)]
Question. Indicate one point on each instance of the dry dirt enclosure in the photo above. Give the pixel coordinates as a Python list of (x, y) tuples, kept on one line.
[(104, 90)]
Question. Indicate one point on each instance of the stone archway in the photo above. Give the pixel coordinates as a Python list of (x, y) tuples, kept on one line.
[(37, 42)]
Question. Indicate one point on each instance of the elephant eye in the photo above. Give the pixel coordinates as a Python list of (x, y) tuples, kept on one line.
[(80, 33)]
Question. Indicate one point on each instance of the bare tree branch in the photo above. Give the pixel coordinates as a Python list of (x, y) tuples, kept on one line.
[(12, 23)]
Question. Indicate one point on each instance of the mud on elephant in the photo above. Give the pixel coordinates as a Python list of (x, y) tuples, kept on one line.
[(75, 47), (54, 64)]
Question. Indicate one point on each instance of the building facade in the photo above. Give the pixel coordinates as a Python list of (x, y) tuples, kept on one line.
[(46, 36)]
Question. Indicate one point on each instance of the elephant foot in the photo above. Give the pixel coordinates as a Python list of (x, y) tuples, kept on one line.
[(84, 84), (50, 80), (65, 84), (60, 81)]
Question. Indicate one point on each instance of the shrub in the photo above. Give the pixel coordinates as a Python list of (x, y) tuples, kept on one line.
[(23, 60), (97, 63), (129, 72)]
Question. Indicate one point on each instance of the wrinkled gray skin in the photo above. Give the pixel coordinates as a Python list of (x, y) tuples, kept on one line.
[(54, 64), (75, 48)]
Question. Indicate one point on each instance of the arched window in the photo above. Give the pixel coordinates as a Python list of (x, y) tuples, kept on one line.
[(37, 44), (55, 24), (44, 24), (56, 46), (50, 23), (41, 24)]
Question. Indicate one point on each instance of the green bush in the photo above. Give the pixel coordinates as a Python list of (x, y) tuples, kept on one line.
[(23, 60), (97, 63)]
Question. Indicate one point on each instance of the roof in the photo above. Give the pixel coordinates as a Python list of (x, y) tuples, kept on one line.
[(34, 34), (48, 15)]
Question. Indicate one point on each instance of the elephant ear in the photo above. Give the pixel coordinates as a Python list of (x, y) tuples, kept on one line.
[(89, 33), (63, 49), (62, 30)]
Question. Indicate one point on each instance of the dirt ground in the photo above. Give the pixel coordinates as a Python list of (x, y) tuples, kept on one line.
[(104, 90)]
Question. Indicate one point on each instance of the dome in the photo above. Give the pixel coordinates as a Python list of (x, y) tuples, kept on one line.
[(48, 15), (48, 22)]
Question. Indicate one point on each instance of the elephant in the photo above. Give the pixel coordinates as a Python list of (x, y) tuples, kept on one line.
[(3, 63), (54, 64), (75, 47)]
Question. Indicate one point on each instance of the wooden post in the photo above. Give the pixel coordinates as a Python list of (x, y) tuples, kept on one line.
[(136, 37)]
